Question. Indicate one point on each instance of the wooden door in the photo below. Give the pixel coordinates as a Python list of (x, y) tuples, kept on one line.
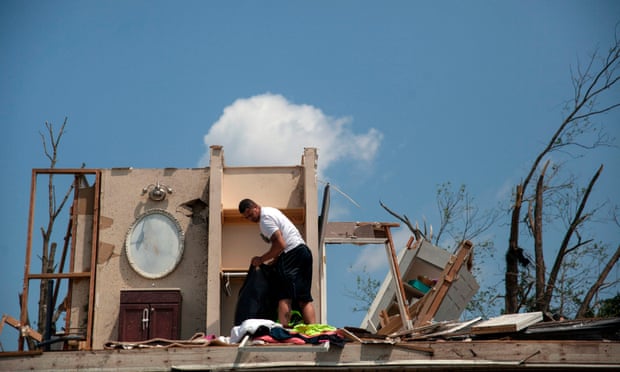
[(164, 321), (148, 314), (133, 322)]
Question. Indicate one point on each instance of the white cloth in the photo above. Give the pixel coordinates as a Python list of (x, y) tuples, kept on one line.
[(272, 219), (250, 326)]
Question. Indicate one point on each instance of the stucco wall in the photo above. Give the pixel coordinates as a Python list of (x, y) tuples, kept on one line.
[(206, 306), (122, 202)]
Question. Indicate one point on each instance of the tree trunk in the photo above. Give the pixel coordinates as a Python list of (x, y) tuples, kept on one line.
[(538, 240), (589, 86), (564, 249), (512, 261), (585, 305)]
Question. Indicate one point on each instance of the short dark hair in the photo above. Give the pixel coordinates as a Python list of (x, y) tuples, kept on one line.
[(245, 204)]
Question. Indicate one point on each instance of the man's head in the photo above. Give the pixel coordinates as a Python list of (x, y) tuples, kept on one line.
[(250, 210)]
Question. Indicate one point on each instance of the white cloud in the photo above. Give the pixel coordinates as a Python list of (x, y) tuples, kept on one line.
[(267, 129), (372, 258)]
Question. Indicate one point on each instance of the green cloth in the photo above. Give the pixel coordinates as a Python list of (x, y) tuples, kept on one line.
[(313, 329)]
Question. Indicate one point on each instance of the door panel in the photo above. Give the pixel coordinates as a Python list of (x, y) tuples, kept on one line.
[(131, 326)]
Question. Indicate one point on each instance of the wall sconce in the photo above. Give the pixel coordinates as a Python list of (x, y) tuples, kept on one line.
[(157, 192)]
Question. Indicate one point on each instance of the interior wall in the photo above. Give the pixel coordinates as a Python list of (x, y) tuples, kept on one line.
[(279, 187), (285, 188)]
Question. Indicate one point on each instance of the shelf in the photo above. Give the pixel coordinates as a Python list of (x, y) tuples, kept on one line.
[(232, 216), (412, 291), (233, 273)]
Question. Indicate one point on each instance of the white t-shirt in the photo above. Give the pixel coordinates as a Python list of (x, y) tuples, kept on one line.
[(272, 219)]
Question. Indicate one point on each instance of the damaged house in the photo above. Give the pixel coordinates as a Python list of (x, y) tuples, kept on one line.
[(155, 258)]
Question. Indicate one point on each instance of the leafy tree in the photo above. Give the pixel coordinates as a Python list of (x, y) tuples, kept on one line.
[(364, 292), (610, 307)]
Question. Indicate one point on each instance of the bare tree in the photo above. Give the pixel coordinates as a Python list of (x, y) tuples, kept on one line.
[(54, 208), (600, 282), (459, 218), (592, 85)]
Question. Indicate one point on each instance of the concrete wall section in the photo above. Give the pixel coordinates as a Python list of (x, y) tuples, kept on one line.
[(122, 202)]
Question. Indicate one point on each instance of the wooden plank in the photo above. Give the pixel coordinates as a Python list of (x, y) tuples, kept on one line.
[(281, 348), (77, 275), (507, 323), (450, 329), (412, 291), (23, 330), (448, 355), (396, 275), (232, 216), (395, 323), (357, 232)]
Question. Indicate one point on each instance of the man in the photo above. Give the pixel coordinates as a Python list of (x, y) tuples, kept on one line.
[(294, 259)]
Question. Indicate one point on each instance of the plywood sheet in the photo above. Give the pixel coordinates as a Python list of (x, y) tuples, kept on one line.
[(507, 323)]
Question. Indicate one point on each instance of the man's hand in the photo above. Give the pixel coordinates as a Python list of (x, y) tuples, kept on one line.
[(257, 261)]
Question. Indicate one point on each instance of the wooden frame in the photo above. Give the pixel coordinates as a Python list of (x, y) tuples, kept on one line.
[(70, 275)]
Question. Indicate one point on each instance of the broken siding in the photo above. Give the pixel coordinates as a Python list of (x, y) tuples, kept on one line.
[(460, 293)]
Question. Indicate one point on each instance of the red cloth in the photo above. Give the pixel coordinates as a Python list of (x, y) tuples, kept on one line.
[(270, 340)]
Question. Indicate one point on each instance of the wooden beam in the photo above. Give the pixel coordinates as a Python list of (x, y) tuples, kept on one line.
[(396, 276), (23, 330), (59, 275), (232, 216), (449, 355)]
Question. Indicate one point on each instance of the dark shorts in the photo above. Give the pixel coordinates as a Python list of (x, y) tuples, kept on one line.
[(295, 274)]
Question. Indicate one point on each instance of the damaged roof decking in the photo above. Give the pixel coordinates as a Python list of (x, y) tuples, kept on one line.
[(505, 355), (445, 346)]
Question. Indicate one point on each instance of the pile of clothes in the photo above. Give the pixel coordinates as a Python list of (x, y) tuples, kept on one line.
[(264, 331)]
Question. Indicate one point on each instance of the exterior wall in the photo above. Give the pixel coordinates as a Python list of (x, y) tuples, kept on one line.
[(121, 203), (82, 260), (311, 196), (212, 245)]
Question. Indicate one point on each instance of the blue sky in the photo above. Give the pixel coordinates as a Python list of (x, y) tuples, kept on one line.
[(398, 97)]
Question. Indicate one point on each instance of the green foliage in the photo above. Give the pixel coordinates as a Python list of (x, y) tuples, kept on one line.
[(610, 307), (365, 291), (482, 304)]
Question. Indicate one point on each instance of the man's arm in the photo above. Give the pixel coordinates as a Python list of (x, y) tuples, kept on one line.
[(277, 246)]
